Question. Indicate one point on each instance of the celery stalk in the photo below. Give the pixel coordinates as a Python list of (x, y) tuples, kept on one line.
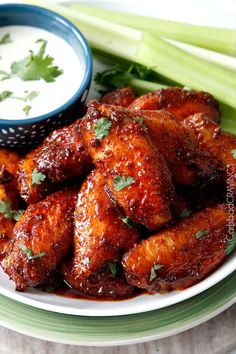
[(217, 39), (164, 58)]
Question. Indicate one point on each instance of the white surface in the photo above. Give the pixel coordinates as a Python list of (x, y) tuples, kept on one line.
[(51, 95)]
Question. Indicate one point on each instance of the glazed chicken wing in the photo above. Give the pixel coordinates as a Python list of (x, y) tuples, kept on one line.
[(104, 284), (121, 97), (100, 235), (220, 144), (182, 255), (41, 239), (59, 158), (136, 173), (188, 164), (10, 199), (182, 103), (8, 165)]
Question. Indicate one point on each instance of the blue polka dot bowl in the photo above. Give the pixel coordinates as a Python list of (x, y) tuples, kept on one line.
[(22, 133)]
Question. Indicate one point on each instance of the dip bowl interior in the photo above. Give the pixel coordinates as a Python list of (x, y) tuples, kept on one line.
[(28, 132)]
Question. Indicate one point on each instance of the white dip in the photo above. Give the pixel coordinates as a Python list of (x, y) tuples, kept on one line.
[(50, 95)]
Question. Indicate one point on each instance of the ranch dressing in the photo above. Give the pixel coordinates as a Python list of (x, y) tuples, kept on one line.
[(49, 96)]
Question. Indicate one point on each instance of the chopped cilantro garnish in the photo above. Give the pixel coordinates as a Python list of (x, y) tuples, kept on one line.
[(5, 209), (6, 39), (102, 128), (120, 182), (153, 271), (201, 233), (4, 95), (113, 268), (35, 66), (129, 222), (28, 97), (30, 254), (233, 152), (141, 121), (185, 213), (37, 177), (231, 244), (27, 109)]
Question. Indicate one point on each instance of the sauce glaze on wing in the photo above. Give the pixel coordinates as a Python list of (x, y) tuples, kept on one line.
[(100, 235), (182, 103), (188, 164), (180, 256), (127, 153), (215, 141), (121, 97), (60, 157), (45, 228), (101, 285)]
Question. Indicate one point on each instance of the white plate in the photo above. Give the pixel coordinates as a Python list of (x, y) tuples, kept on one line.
[(141, 303)]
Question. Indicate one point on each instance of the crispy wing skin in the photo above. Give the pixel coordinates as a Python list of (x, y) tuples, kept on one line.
[(9, 161), (181, 255), (181, 103), (60, 157), (188, 164), (100, 235), (121, 97), (128, 153), (7, 193), (101, 285), (46, 228), (220, 144)]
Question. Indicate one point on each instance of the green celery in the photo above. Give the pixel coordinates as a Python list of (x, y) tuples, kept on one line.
[(217, 39), (145, 49)]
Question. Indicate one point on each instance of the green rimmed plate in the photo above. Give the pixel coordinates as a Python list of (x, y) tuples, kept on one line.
[(119, 330)]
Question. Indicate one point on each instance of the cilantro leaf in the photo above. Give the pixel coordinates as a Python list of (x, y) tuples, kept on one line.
[(233, 152), (153, 274), (140, 120), (8, 213), (37, 177), (6, 39), (113, 268), (30, 254), (201, 233), (231, 244), (36, 66), (118, 76), (28, 97), (129, 222), (4, 95), (102, 128), (185, 213), (120, 182), (27, 109)]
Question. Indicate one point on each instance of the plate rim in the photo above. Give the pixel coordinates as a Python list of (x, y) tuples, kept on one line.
[(222, 304), (183, 295)]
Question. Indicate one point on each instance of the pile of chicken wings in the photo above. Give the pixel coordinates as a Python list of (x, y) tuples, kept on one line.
[(131, 196)]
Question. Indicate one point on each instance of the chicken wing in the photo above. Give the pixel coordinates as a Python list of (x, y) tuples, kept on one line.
[(182, 103), (9, 196), (41, 239), (220, 144), (137, 175), (121, 97), (188, 164), (8, 164), (59, 158), (100, 235), (101, 285), (182, 255)]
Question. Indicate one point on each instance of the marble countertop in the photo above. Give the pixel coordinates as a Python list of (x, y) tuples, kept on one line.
[(217, 336)]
